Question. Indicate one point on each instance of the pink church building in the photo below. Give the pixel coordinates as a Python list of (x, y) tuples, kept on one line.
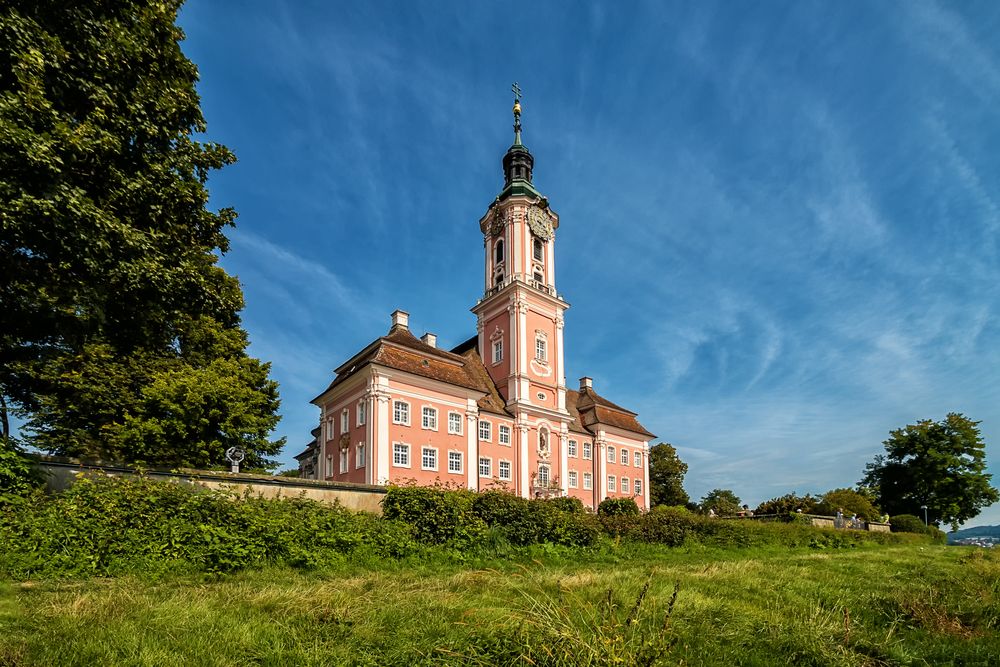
[(494, 412)]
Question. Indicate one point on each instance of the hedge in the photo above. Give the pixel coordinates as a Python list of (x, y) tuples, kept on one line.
[(112, 526)]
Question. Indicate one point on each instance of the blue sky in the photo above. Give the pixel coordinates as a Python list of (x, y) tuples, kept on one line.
[(779, 221)]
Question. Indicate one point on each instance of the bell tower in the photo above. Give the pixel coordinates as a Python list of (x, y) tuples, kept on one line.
[(520, 315)]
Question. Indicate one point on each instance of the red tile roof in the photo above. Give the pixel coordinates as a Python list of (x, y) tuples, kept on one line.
[(463, 367)]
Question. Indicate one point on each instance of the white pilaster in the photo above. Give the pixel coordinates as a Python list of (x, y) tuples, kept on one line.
[(472, 446), (550, 261), (561, 369), (370, 403), (645, 474), (522, 465), (381, 454), (600, 447), (481, 331), (564, 463)]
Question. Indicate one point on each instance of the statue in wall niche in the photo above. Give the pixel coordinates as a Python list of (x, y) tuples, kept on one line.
[(543, 444)]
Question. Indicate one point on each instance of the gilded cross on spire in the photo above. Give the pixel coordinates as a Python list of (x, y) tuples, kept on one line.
[(516, 89)]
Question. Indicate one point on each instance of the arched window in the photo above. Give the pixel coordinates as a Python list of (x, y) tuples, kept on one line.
[(538, 250), (498, 252), (543, 474)]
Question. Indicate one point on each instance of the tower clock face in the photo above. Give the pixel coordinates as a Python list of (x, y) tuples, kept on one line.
[(540, 224)]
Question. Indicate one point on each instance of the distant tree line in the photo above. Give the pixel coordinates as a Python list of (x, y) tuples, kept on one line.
[(937, 465)]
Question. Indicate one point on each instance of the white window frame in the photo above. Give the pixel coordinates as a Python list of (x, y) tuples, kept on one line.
[(433, 454), (541, 349), (611, 454), (329, 465), (345, 457), (501, 464), (612, 483), (428, 418), (544, 468), (485, 427), (488, 466), (400, 414), (362, 411), (455, 423), (637, 486), (571, 449), (588, 451), (626, 485), (330, 428), (345, 420), (588, 481), (637, 459), (400, 451), (454, 456), (359, 456), (571, 479), (503, 435), (498, 351), (624, 458)]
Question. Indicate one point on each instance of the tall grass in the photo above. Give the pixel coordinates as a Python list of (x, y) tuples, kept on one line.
[(634, 605)]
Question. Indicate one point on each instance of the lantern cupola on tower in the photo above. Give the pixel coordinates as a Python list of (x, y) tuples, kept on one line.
[(518, 162)]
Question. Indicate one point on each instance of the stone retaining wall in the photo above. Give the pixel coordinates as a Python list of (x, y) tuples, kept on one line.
[(60, 473)]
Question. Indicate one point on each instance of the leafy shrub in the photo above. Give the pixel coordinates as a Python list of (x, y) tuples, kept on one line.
[(524, 521), (437, 514), (16, 475), (567, 504), (618, 507), (906, 523), (107, 526)]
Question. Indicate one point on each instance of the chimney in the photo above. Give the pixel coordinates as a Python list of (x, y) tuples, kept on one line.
[(400, 318), (586, 383), (430, 339)]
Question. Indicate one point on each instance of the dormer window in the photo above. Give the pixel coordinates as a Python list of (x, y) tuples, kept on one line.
[(538, 250)]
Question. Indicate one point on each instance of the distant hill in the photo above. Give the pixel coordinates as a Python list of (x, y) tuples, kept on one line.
[(978, 531)]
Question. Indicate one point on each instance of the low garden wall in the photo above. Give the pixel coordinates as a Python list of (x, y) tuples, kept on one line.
[(60, 473)]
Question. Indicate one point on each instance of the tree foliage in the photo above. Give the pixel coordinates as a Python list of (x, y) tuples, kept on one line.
[(121, 335), (938, 464), (787, 504), (723, 501), (16, 475), (666, 476), (850, 502)]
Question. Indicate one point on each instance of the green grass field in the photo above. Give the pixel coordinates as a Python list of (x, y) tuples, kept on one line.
[(630, 605)]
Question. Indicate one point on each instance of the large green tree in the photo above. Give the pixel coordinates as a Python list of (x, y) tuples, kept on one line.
[(938, 464), (121, 336), (723, 501), (666, 476), (849, 502)]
